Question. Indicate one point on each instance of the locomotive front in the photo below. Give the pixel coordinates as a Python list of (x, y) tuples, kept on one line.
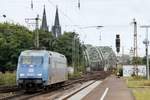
[(29, 70)]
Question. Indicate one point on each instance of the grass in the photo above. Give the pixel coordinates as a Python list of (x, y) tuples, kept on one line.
[(140, 87), (141, 93), (134, 82), (7, 78)]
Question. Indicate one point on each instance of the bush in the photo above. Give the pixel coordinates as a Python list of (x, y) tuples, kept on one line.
[(120, 71), (146, 83), (137, 78), (8, 78), (75, 75)]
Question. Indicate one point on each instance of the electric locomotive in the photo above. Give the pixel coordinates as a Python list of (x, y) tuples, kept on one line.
[(41, 68)]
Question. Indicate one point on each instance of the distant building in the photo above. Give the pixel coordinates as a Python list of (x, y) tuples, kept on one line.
[(44, 25), (125, 59), (56, 28)]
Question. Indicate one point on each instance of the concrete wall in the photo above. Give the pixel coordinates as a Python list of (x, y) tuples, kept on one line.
[(128, 70)]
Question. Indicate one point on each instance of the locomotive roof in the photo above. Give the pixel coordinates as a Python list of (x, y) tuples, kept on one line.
[(41, 53)]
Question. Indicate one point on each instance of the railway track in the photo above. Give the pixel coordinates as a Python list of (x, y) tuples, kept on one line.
[(21, 95), (5, 89)]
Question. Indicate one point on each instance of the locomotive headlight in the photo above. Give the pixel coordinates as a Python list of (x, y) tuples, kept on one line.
[(39, 75), (31, 66), (21, 75)]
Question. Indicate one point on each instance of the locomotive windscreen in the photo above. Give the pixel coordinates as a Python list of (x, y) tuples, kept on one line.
[(34, 60)]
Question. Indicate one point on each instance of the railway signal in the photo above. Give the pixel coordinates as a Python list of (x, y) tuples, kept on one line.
[(36, 42), (118, 43)]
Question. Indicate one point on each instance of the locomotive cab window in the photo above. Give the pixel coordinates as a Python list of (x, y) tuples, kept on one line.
[(25, 60), (35, 60)]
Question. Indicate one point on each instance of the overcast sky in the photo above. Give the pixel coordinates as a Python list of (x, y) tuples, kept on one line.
[(115, 15)]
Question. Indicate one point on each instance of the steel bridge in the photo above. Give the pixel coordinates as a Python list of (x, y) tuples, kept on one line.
[(99, 57)]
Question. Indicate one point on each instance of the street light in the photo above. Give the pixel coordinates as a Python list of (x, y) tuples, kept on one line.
[(8, 20), (91, 27), (146, 42), (4, 16), (98, 27)]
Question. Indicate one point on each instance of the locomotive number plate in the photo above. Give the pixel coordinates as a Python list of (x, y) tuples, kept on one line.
[(31, 70)]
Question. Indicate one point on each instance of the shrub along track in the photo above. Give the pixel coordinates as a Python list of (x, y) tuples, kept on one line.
[(22, 95)]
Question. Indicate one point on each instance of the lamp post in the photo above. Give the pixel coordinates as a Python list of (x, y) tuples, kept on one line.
[(75, 53), (98, 27), (146, 42)]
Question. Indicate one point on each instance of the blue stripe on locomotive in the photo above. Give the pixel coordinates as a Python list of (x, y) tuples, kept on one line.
[(35, 70)]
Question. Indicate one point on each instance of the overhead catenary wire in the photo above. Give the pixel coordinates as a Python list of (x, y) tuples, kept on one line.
[(97, 26), (54, 5), (65, 15)]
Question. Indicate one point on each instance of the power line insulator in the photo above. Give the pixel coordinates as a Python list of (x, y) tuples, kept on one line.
[(31, 4), (79, 4)]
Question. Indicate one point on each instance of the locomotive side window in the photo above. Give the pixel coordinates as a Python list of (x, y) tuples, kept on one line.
[(49, 60)]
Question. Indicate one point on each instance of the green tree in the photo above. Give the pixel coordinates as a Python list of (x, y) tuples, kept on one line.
[(69, 45), (45, 39), (137, 60), (63, 44), (13, 39), (16, 38)]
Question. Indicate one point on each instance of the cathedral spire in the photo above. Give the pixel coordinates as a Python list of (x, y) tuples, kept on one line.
[(44, 21), (56, 29), (57, 17)]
